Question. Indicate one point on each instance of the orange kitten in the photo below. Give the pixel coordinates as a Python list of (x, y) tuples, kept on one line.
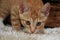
[(32, 14)]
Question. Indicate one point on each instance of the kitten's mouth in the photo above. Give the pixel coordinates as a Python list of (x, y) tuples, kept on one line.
[(32, 32)]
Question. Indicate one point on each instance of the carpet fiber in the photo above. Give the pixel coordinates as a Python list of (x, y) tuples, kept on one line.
[(6, 33)]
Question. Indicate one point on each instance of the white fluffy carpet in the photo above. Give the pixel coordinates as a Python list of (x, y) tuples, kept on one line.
[(6, 33)]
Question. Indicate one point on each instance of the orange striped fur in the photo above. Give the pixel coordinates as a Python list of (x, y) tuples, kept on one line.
[(32, 14)]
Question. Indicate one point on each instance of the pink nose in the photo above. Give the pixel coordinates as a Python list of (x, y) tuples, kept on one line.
[(32, 31)]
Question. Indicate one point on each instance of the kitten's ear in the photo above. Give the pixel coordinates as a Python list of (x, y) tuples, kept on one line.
[(23, 7), (22, 10), (45, 9)]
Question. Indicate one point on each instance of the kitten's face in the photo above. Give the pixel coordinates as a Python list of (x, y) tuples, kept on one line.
[(33, 24), (33, 20)]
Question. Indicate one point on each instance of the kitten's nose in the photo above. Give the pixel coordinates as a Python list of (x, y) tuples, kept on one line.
[(32, 31)]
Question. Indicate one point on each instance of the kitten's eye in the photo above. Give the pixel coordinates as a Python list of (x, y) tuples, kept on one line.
[(28, 22), (38, 24)]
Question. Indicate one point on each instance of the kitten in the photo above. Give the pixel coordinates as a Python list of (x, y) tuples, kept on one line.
[(32, 14)]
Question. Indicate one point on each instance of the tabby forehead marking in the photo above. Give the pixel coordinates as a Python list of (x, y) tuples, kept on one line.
[(34, 15)]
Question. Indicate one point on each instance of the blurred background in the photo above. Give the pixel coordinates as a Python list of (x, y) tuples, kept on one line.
[(54, 17)]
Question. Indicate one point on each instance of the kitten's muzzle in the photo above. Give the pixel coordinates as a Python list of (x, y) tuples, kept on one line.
[(32, 30)]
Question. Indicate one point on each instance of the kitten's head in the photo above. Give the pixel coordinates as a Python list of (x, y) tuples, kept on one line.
[(33, 19)]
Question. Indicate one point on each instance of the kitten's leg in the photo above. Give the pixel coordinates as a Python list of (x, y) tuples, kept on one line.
[(3, 13), (42, 29), (15, 19)]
